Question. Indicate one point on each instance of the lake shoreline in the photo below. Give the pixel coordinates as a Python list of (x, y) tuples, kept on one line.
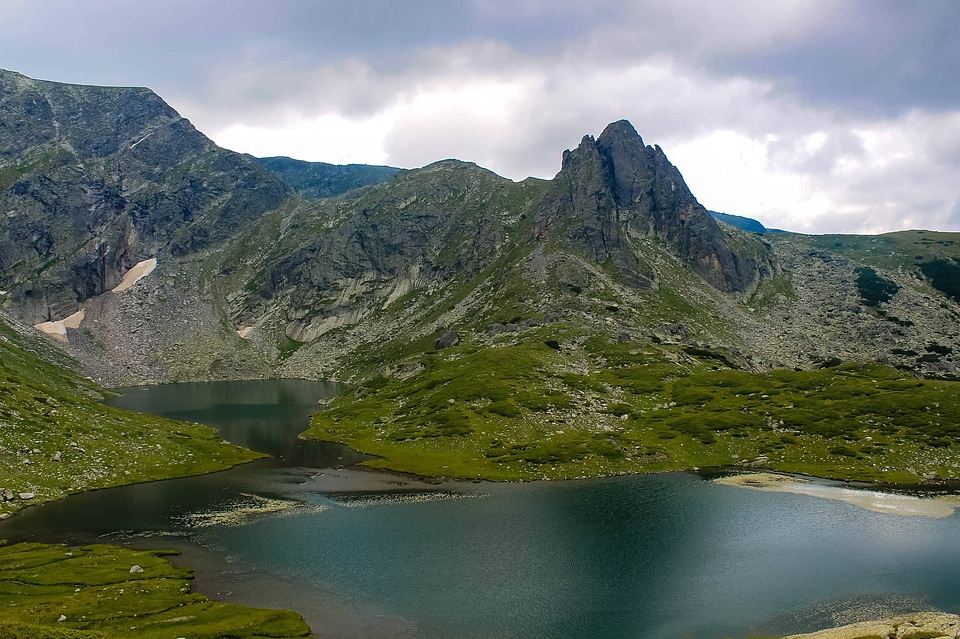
[(295, 483), (897, 503)]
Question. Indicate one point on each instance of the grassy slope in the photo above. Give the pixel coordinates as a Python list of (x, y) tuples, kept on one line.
[(520, 409), (45, 409), (97, 597)]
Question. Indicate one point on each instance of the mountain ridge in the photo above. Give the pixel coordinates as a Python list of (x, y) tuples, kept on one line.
[(316, 180)]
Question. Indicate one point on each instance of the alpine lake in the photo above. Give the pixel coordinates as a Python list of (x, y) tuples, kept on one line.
[(369, 554)]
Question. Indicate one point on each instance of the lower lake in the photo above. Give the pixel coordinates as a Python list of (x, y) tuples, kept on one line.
[(368, 554)]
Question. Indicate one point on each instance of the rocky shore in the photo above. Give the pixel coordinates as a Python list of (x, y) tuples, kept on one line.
[(922, 625)]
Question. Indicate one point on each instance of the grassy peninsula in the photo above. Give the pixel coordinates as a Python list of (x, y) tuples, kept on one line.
[(105, 592), (552, 405)]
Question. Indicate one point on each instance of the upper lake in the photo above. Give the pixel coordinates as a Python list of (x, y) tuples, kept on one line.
[(367, 554)]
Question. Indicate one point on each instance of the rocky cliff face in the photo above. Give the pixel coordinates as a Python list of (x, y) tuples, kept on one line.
[(617, 189), (96, 179)]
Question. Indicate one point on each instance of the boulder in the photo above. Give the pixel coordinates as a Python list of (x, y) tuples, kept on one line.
[(446, 340)]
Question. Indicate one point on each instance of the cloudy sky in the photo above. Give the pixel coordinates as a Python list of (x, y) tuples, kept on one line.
[(810, 115)]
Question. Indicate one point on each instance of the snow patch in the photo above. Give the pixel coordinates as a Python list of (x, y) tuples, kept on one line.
[(58, 329), (136, 274)]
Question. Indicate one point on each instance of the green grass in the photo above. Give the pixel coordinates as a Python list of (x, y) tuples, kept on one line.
[(59, 592), (519, 412), (902, 249), (11, 174), (56, 438)]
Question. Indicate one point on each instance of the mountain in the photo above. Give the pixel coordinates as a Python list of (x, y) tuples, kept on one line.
[(744, 223), (315, 180), (94, 180), (595, 323)]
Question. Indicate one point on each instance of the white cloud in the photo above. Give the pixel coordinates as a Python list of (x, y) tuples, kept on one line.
[(328, 138), (897, 174), (487, 95)]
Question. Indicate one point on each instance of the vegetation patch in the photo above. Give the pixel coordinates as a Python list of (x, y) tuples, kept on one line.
[(518, 412), (944, 276), (106, 592), (873, 288)]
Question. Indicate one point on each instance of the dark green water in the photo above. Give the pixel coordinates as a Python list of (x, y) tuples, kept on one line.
[(371, 555)]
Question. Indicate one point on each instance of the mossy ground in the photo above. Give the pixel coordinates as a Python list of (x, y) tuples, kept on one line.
[(56, 437), (58, 592), (592, 406)]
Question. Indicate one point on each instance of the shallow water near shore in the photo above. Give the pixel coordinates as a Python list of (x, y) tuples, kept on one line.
[(369, 554)]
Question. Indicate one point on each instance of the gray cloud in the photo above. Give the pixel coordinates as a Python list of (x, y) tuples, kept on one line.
[(954, 218), (882, 57)]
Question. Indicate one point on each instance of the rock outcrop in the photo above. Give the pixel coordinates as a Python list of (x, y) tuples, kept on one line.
[(614, 189)]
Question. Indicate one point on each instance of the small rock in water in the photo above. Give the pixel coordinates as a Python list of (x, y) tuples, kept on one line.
[(136, 568)]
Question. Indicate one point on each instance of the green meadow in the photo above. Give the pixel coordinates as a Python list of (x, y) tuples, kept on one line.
[(545, 409)]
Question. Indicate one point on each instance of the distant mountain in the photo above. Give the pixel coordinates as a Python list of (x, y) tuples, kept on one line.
[(745, 223), (315, 180)]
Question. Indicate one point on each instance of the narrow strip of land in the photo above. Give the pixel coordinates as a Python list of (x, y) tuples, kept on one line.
[(891, 503)]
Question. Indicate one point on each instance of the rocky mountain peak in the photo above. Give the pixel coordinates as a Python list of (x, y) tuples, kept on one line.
[(614, 189)]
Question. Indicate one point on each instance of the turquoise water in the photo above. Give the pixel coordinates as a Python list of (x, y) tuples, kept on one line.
[(373, 555)]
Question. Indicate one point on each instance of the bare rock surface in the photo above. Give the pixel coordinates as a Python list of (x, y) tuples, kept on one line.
[(921, 625)]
